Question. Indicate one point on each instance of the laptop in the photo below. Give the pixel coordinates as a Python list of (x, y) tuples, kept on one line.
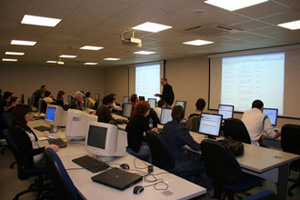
[(117, 178)]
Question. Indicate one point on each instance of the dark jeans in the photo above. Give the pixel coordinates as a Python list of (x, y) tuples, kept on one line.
[(41, 163), (143, 154)]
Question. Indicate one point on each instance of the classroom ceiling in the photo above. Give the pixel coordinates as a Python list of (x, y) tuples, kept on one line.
[(101, 22)]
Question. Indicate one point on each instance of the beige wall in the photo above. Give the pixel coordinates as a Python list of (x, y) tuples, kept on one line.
[(25, 79)]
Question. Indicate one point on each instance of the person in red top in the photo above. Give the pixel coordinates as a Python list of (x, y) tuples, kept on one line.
[(133, 100)]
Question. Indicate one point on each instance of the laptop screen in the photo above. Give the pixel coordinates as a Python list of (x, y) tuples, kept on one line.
[(127, 110), (272, 115), (210, 124), (181, 103), (166, 115), (125, 99), (152, 102), (226, 111)]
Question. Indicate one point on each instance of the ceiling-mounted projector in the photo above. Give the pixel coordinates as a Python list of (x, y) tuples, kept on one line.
[(131, 40)]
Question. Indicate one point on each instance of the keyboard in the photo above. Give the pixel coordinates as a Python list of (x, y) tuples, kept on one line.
[(42, 128), (59, 142), (92, 164)]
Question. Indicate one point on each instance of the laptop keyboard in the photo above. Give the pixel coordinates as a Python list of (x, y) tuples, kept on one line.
[(92, 164), (42, 128), (59, 142)]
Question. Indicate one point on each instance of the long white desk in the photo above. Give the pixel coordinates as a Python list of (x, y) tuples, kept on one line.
[(178, 187)]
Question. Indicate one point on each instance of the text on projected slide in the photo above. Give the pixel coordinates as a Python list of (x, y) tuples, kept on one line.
[(246, 78)]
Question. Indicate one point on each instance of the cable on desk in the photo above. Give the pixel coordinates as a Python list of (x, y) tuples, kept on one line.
[(156, 182), (135, 166)]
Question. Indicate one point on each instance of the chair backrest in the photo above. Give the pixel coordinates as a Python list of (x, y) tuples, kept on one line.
[(6, 119), (161, 155), (43, 107), (63, 187), (220, 163), (237, 130), (193, 123), (22, 98), (290, 138)]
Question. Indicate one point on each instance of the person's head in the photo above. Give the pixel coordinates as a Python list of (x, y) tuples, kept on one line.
[(78, 96), (134, 98), (47, 93), (258, 104), (14, 101), (161, 104), (163, 81), (43, 88), (200, 104), (108, 100), (88, 94), (178, 113), (142, 108), (60, 94), (21, 114), (7, 95), (114, 96)]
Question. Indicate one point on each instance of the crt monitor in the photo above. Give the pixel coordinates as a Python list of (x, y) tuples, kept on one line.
[(166, 115), (226, 111), (127, 110), (56, 115), (77, 124), (210, 124), (272, 115), (181, 103), (152, 102), (104, 140), (125, 99)]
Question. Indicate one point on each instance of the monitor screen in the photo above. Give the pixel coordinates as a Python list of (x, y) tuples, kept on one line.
[(166, 115), (50, 115), (97, 136), (181, 103), (210, 124), (152, 102), (141, 98), (127, 110), (272, 115), (125, 99), (226, 111)]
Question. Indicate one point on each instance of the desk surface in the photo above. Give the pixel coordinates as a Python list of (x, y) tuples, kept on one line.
[(178, 188)]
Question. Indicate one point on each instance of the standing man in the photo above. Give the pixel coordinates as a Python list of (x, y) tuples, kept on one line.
[(38, 94), (167, 94)]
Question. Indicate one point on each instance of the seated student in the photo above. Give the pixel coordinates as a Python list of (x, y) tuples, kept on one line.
[(133, 100), (12, 104), (177, 136), (88, 97), (104, 113), (135, 129), (257, 123), (77, 102), (200, 105), (161, 104), (26, 139), (115, 105), (4, 103), (47, 97), (60, 100), (38, 94)]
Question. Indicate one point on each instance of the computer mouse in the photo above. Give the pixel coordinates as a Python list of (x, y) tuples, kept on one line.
[(138, 189), (124, 166)]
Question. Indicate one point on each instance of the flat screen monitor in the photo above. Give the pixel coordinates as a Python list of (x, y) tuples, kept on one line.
[(210, 124), (141, 98), (104, 139), (127, 110), (166, 115), (226, 111), (125, 99), (56, 115), (181, 103), (152, 102), (272, 114)]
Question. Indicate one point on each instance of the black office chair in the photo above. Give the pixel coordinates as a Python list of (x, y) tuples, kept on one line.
[(4, 124), (63, 187), (290, 138), (237, 130), (193, 124), (222, 166), (25, 172)]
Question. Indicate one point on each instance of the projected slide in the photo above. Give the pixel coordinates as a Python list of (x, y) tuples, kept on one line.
[(246, 78), (147, 80)]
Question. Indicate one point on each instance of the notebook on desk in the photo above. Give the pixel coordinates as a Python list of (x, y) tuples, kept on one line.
[(117, 178)]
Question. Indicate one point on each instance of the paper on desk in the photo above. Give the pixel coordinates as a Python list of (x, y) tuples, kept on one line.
[(45, 138)]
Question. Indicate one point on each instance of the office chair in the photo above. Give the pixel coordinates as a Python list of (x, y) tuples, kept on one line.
[(237, 130), (263, 195), (290, 137), (192, 124), (63, 187), (43, 107), (22, 98), (222, 166), (5, 120), (25, 172)]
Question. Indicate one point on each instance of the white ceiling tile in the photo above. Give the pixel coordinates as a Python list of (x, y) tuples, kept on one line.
[(141, 13), (164, 5)]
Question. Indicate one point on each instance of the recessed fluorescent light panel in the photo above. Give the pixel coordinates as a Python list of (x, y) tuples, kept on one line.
[(90, 63), (144, 52), (151, 27), (40, 21), (94, 48), (67, 56), (14, 53), (232, 5), (198, 42), (291, 25), (23, 42), (11, 60), (113, 59), (51, 61)]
